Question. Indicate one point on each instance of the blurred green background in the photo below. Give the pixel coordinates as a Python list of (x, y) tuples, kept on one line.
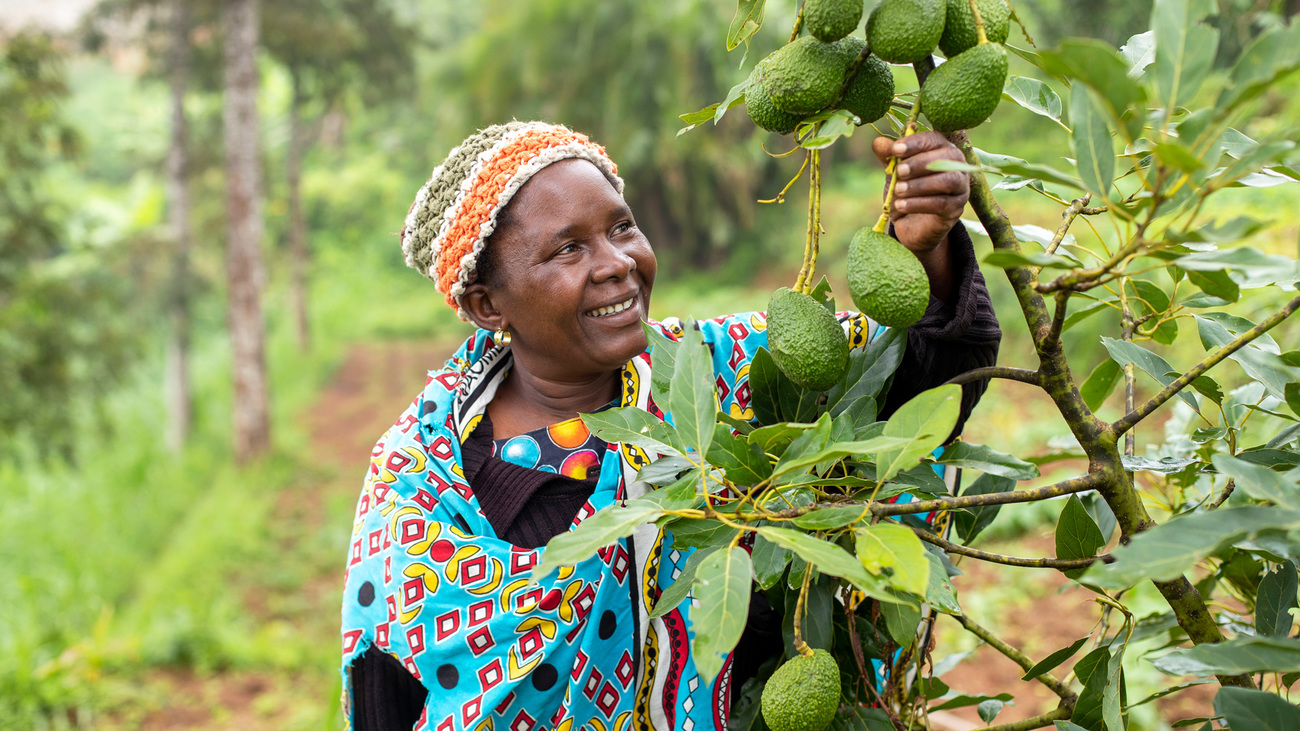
[(148, 585)]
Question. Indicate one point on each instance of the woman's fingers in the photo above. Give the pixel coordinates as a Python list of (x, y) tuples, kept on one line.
[(944, 206), (951, 182), (919, 164)]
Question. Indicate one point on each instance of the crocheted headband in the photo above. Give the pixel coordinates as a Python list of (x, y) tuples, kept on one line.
[(456, 211)]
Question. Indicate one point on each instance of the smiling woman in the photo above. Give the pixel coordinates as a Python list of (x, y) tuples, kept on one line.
[(525, 231)]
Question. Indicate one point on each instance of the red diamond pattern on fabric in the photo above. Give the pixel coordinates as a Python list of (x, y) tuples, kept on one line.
[(355, 556), (723, 389), (480, 612), (523, 722), (490, 675), (528, 599), (530, 643), (480, 641), (388, 567), (425, 499), (625, 670), (448, 724), (397, 461), (585, 600), (505, 703), (593, 683), (743, 395), (473, 570), (380, 491), (522, 561), (412, 667), (620, 565), (737, 355), (411, 530), (374, 541), (381, 635), (447, 624), (415, 638), (471, 710), (607, 701), (392, 608), (579, 662), (412, 591), (441, 448), (350, 640)]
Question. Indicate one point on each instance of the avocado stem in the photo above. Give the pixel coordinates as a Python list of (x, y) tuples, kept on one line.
[(798, 23), (799, 645), (882, 224), (812, 236), (979, 23)]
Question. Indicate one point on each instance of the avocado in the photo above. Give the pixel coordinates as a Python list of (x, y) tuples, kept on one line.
[(848, 49), (803, 694), (905, 31), (758, 104), (806, 341), (963, 92), (959, 28), (831, 20), (804, 76), (870, 91), (886, 281)]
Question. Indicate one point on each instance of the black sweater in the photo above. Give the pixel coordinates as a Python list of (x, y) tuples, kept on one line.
[(528, 507)]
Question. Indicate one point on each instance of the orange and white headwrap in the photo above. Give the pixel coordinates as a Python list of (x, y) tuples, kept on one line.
[(455, 212)]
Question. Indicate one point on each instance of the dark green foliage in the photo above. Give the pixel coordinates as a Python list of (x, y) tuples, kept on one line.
[(963, 92)]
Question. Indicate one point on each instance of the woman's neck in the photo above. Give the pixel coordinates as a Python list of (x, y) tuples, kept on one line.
[(527, 400)]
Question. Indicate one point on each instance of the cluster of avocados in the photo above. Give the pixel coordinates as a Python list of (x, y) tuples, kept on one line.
[(886, 281), (819, 72)]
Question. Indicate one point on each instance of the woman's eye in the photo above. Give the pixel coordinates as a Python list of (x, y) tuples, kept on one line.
[(624, 227), (568, 248)]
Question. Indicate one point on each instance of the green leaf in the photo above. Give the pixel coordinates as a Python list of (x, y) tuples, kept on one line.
[(893, 551), (1077, 534), (744, 463), (795, 461), (823, 295), (663, 359), (1100, 383), (692, 399), (777, 437), (926, 421), (1243, 654), (1068, 726), (1247, 709), (722, 589), (836, 517), (1093, 151), (1185, 48), (1167, 551), (744, 428), (1275, 600), (735, 97), (672, 597), (987, 459), (1035, 96), (700, 533), (607, 526), (1050, 663), (1215, 284), (1034, 171), (1259, 482), (1164, 465), (1091, 670), (860, 718), (746, 22), (869, 371), (902, 622), (1152, 364), (1176, 155), (663, 471), (1272, 54), (769, 560), (696, 118), (1004, 259), (940, 594), (989, 710), (632, 425), (841, 123), (964, 700), (1097, 65), (970, 522), (1246, 259), (1139, 51), (829, 559), (1265, 367)]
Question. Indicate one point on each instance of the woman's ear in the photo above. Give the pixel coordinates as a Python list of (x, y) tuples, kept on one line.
[(477, 303)]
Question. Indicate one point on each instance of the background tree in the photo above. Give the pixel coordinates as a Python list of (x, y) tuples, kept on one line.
[(244, 269), (179, 396)]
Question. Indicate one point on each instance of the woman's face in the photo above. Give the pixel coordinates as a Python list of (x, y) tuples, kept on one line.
[(573, 275)]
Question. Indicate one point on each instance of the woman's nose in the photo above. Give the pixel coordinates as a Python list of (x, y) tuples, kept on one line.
[(612, 262)]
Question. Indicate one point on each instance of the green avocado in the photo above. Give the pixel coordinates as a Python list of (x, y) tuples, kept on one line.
[(761, 112), (886, 281), (806, 341), (870, 91), (905, 31), (963, 92), (803, 694), (959, 29), (831, 20), (804, 76)]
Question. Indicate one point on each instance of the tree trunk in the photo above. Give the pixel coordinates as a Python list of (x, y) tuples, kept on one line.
[(177, 377), (244, 272), (297, 223)]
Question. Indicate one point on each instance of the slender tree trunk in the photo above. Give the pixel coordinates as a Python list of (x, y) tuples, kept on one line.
[(297, 223), (252, 427), (177, 377)]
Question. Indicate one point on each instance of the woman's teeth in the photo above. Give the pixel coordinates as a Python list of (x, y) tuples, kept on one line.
[(612, 309)]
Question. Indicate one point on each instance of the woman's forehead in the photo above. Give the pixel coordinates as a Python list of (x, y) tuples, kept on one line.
[(564, 193)]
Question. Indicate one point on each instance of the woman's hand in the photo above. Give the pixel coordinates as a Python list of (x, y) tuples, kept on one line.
[(927, 204)]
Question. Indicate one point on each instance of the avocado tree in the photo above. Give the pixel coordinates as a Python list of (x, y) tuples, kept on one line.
[(805, 495)]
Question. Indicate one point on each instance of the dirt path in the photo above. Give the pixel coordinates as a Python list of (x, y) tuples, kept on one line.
[(312, 519)]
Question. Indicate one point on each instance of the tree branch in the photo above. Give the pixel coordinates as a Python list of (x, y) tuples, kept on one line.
[(1012, 374), (1060, 564), (1129, 420), (1075, 484), (1071, 212), (1060, 713), (1053, 339), (1067, 696)]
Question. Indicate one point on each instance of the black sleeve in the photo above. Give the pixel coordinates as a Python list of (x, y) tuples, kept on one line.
[(385, 696), (951, 338)]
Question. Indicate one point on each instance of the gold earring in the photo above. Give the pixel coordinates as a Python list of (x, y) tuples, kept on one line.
[(501, 338)]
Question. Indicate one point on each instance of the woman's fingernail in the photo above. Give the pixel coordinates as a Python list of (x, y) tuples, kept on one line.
[(904, 170), (900, 205), (900, 188), (899, 148)]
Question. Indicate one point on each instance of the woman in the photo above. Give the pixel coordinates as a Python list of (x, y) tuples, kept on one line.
[(525, 231)]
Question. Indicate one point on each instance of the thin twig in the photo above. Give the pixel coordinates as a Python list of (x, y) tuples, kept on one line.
[(1047, 719), (1071, 212), (1010, 374), (1062, 691), (1068, 487), (1228, 487), (1060, 564), (1130, 419)]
